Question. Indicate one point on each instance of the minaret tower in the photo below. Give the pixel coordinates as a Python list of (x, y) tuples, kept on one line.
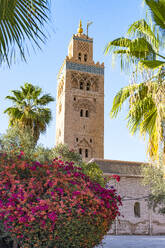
[(80, 99)]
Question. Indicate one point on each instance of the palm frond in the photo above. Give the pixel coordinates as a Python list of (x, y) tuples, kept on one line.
[(140, 104), (14, 99), (14, 115), (157, 8), (121, 97), (151, 64), (142, 29), (149, 121), (119, 42), (131, 51), (45, 99), (17, 94), (21, 22)]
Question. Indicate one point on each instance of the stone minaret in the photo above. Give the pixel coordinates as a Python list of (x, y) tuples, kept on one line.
[(80, 99)]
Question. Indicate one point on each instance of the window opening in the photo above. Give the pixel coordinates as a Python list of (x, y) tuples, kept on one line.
[(81, 85), (88, 87), (85, 57), (137, 209), (90, 140), (79, 56), (86, 113), (86, 153), (80, 151), (77, 139), (81, 113), (74, 98)]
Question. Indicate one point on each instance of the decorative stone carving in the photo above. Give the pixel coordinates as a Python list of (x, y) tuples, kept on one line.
[(83, 46), (75, 83), (84, 104), (90, 83), (83, 144)]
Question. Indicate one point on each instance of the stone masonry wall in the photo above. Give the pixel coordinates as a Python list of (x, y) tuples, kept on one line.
[(148, 223)]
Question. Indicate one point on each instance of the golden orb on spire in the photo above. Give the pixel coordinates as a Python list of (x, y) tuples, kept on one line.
[(80, 29)]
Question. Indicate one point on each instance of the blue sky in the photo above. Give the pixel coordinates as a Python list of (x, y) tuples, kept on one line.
[(110, 20)]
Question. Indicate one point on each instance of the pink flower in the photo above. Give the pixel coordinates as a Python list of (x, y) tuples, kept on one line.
[(33, 167), (22, 219), (116, 177), (75, 193), (43, 223), (21, 154), (52, 216), (60, 190)]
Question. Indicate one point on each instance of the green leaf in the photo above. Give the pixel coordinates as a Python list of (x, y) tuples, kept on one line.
[(153, 64), (157, 9)]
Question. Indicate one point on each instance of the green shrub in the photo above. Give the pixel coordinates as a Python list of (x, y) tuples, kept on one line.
[(16, 140), (154, 178), (63, 152), (94, 172)]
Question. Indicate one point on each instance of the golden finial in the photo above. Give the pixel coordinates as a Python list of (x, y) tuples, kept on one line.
[(80, 29)]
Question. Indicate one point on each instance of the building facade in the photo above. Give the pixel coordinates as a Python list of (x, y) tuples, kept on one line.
[(80, 99), (136, 217)]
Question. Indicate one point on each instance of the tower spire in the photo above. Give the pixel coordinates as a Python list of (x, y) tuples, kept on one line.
[(80, 29)]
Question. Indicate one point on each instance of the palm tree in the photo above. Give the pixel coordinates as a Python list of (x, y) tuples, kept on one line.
[(147, 98), (29, 109), (21, 23)]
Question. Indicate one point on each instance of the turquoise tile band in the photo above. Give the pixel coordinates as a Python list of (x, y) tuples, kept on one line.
[(81, 39), (84, 68)]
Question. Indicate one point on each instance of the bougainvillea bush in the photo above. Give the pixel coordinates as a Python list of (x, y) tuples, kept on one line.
[(53, 206)]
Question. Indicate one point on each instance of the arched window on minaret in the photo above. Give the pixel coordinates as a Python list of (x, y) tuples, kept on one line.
[(81, 113), (88, 86), (85, 57), (86, 113), (79, 56), (86, 153), (81, 85)]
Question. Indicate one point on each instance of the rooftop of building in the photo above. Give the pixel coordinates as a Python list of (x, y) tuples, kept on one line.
[(122, 168)]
